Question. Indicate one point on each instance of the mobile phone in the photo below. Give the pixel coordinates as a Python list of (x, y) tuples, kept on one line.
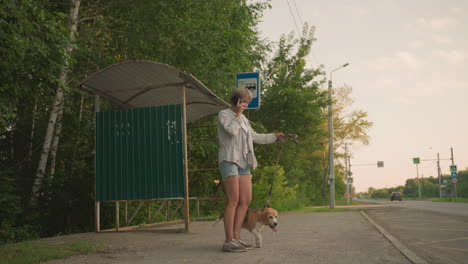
[(235, 100)]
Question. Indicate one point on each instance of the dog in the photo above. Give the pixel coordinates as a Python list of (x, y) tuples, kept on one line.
[(258, 217)]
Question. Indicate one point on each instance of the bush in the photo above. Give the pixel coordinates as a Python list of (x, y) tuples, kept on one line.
[(10, 211), (283, 196), (17, 234)]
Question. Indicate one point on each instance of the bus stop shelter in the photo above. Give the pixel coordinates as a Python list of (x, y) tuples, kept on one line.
[(141, 149)]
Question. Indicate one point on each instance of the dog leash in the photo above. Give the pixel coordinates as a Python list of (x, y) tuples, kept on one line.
[(292, 137)]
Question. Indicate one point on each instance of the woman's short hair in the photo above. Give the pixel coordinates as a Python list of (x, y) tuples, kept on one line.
[(238, 94)]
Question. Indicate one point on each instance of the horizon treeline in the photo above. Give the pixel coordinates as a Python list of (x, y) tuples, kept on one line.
[(429, 187)]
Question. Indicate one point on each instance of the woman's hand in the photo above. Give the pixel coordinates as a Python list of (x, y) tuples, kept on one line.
[(280, 136), (241, 105), (238, 109)]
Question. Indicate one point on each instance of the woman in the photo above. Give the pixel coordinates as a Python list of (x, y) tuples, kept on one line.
[(236, 157)]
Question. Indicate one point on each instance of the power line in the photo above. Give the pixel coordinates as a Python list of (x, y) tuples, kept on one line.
[(311, 53), (294, 19), (298, 14)]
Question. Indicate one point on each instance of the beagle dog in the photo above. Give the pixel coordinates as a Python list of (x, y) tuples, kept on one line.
[(258, 217)]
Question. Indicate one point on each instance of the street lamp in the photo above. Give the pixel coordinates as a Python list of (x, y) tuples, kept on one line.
[(331, 176)]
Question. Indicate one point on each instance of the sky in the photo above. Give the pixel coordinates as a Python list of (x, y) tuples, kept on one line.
[(408, 70)]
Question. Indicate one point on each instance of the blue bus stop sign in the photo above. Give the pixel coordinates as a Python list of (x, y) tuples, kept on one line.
[(453, 168), (251, 81)]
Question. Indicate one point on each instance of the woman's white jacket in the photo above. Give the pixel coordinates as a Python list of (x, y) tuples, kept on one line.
[(236, 138)]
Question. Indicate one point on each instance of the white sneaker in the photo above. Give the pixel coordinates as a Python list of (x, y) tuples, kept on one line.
[(245, 245), (233, 246)]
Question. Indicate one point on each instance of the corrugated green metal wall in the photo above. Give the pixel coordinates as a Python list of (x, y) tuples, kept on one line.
[(140, 154)]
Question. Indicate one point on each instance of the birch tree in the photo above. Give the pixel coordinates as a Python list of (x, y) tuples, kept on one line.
[(55, 141), (57, 107)]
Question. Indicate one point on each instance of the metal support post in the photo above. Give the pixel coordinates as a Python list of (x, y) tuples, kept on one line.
[(97, 213), (454, 184), (346, 174), (417, 178), (438, 175), (186, 198), (331, 175), (97, 205), (117, 214), (126, 213), (351, 184)]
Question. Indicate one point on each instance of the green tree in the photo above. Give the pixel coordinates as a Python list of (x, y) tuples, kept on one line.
[(462, 184), (293, 103), (31, 48), (209, 40), (411, 188), (348, 125), (380, 194), (283, 194), (212, 41)]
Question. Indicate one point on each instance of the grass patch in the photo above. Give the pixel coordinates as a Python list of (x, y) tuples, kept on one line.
[(37, 251), (452, 200), (343, 202), (320, 210), (207, 217)]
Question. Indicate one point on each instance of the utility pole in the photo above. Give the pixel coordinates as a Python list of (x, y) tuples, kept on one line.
[(438, 174), (419, 185), (439, 171), (455, 183), (346, 173), (350, 184), (451, 154), (331, 175)]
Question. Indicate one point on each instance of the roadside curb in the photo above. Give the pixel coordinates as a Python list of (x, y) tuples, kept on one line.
[(402, 248)]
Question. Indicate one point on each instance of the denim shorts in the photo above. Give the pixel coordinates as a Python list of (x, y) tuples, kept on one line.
[(231, 169)]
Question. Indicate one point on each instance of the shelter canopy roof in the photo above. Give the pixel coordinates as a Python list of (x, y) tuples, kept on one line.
[(134, 84)]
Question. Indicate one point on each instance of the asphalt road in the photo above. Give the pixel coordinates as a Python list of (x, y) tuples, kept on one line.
[(460, 209), (436, 232)]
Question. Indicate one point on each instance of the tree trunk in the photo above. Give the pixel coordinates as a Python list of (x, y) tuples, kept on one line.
[(81, 108), (55, 141), (12, 146), (57, 105), (33, 127)]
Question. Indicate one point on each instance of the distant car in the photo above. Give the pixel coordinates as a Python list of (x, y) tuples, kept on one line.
[(395, 196)]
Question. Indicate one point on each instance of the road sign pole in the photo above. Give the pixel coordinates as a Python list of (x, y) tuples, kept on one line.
[(455, 186), (438, 174), (417, 174), (455, 183)]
